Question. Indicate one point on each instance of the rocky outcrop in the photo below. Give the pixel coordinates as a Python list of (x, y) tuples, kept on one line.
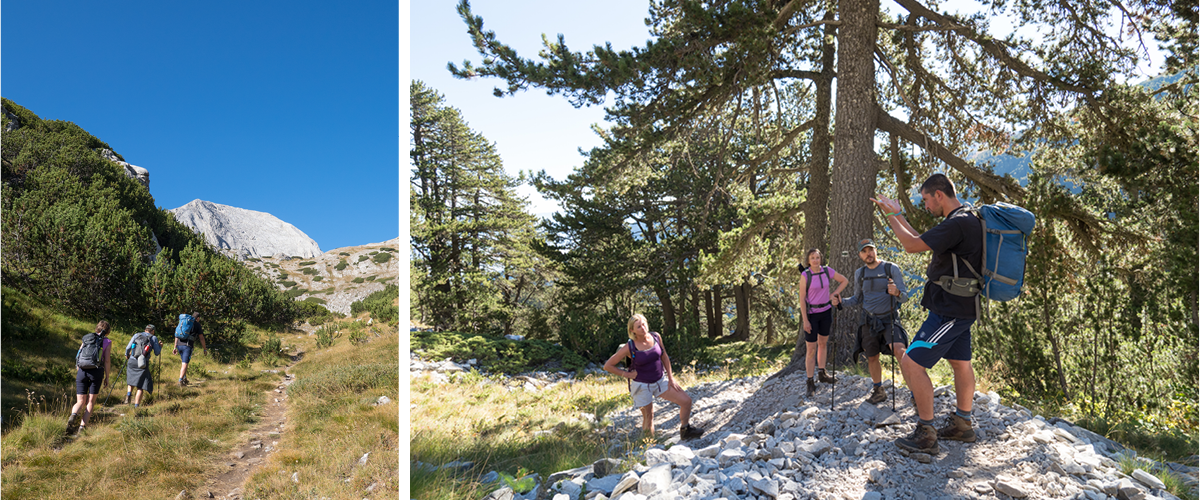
[(132, 171), (246, 232)]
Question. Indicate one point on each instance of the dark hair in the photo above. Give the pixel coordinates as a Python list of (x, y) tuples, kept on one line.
[(102, 327), (938, 182), (809, 254)]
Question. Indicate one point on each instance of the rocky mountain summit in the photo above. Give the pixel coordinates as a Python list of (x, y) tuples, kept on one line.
[(766, 441), (245, 232)]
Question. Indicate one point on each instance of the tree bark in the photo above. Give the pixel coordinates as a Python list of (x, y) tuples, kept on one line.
[(816, 207), (668, 309), (855, 163), (741, 299)]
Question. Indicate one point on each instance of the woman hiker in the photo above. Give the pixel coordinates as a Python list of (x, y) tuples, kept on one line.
[(816, 309), (92, 365), (137, 371), (650, 363)]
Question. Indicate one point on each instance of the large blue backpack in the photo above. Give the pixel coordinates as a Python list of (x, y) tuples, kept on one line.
[(184, 330), (1006, 231)]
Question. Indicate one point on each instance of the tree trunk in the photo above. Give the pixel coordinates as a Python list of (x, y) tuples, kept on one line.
[(816, 208), (695, 291), (770, 330), (741, 300), (716, 312), (855, 164), (1049, 325), (668, 309)]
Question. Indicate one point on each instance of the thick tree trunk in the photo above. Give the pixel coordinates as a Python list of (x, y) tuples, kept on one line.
[(741, 299), (855, 163), (695, 292), (770, 330), (668, 309)]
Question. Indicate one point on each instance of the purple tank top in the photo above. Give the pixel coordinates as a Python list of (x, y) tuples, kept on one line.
[(818, 289), (648, 363)]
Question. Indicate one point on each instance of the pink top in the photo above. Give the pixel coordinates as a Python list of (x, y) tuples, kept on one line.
[(819, 283)]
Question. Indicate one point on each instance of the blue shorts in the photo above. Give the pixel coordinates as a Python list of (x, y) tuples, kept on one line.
[(941, 337), (185, 352)]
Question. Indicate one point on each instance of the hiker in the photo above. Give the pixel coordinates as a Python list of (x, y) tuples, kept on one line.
[(137, 364), (816, 311), (92, 366), (880, 289), (185, 339), (946, 333), (649, 363)]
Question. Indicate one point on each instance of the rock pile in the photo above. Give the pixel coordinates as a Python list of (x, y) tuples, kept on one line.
[(767, 442)]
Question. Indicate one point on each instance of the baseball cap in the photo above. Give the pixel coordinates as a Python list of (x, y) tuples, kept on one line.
[(865, 243)]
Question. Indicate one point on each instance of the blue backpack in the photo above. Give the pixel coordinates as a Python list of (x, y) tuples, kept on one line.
[(1006, 231), (184, 330)]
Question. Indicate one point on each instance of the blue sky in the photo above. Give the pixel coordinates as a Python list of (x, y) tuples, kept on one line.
[(289, 108)]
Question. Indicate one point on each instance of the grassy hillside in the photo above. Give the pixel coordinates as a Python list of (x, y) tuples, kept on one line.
[(184, 437)]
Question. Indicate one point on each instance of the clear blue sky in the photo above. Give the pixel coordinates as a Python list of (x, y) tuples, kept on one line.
[(289, 108)]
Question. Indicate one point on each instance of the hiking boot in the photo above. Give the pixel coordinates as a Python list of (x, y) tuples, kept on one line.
[(812, 387), (923, 439), (825, 377), (877, 396), (128, 397), (73, 423), (957, 429), (690, 431)]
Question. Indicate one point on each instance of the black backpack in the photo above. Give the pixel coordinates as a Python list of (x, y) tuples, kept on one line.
[(91, 352)]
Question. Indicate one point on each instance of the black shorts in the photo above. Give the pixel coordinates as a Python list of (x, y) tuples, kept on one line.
[(872, 336), (88, 381), (820, 322)]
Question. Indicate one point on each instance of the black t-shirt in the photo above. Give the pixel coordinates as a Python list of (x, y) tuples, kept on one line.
[(960, 233)]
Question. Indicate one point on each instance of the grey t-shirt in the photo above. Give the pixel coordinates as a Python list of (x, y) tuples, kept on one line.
[(874, 293)]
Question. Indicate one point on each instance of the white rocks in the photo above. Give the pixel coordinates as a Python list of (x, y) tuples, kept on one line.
[(1011, 488), (629, 480), (1147, 479), (656, 479), (260, 234)]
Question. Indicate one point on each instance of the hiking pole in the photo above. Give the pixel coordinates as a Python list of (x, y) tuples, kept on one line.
[(892, 339), (833, 362)]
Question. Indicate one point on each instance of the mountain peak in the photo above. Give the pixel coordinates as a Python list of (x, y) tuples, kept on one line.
[(254, 234)]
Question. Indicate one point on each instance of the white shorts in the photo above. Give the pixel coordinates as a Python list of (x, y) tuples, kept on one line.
[(643, 392)]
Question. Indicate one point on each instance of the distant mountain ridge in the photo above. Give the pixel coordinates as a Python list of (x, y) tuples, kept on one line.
[(245, 232)]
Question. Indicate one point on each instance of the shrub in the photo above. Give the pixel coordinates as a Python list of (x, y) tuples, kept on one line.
[(357, 280), (317, 300), (288, 284), (498, 353), (363, 257), (295, 292), (382, 257), (309, 271), (327, 335), (308, 262), (372, 277), (318, 278), (272, 346), (341, 265), (344, 254), (381, 305), (388, 249)]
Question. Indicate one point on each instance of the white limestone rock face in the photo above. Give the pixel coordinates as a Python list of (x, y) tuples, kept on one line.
[(132, 171), (258, 234)]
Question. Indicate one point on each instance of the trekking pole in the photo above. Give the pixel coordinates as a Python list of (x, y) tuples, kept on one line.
[(833, 362), (892, 339)]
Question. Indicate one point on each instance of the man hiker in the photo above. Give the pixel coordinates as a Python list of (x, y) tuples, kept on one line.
[(880, 289), (954, 243), (92, 363), (186, 334), (137, 364)]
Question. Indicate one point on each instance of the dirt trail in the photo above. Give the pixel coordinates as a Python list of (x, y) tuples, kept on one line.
[(255, 446)]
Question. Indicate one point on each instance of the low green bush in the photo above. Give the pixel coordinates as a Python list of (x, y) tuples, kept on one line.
[(327, 335), (388, 249), (371, 277), (363, 257), (317, 300), (498, 354), (345, 254), (381, 305), (341, 265), (357, 280), (308, 263), (289, 284), (382, 257), (318, 278), (309, 271), (295, 292)]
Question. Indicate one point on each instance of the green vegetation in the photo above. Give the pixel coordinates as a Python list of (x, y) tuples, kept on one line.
[(76, 233), (372, 277), (381, 305), (344, 254), (318, 278), (498, 354), (382, 257), (308, 263), (363, 257), (308, 271), (316, 300), (341, 265), (295, 292), (388, 249), (288, 284), (327, 335), (357, 280)]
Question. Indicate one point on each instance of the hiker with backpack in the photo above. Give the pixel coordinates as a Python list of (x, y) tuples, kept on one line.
[(816, 312), (955, 242), (648, 364), (137, 364), (186, 334), (880, 289), (92, 366)]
